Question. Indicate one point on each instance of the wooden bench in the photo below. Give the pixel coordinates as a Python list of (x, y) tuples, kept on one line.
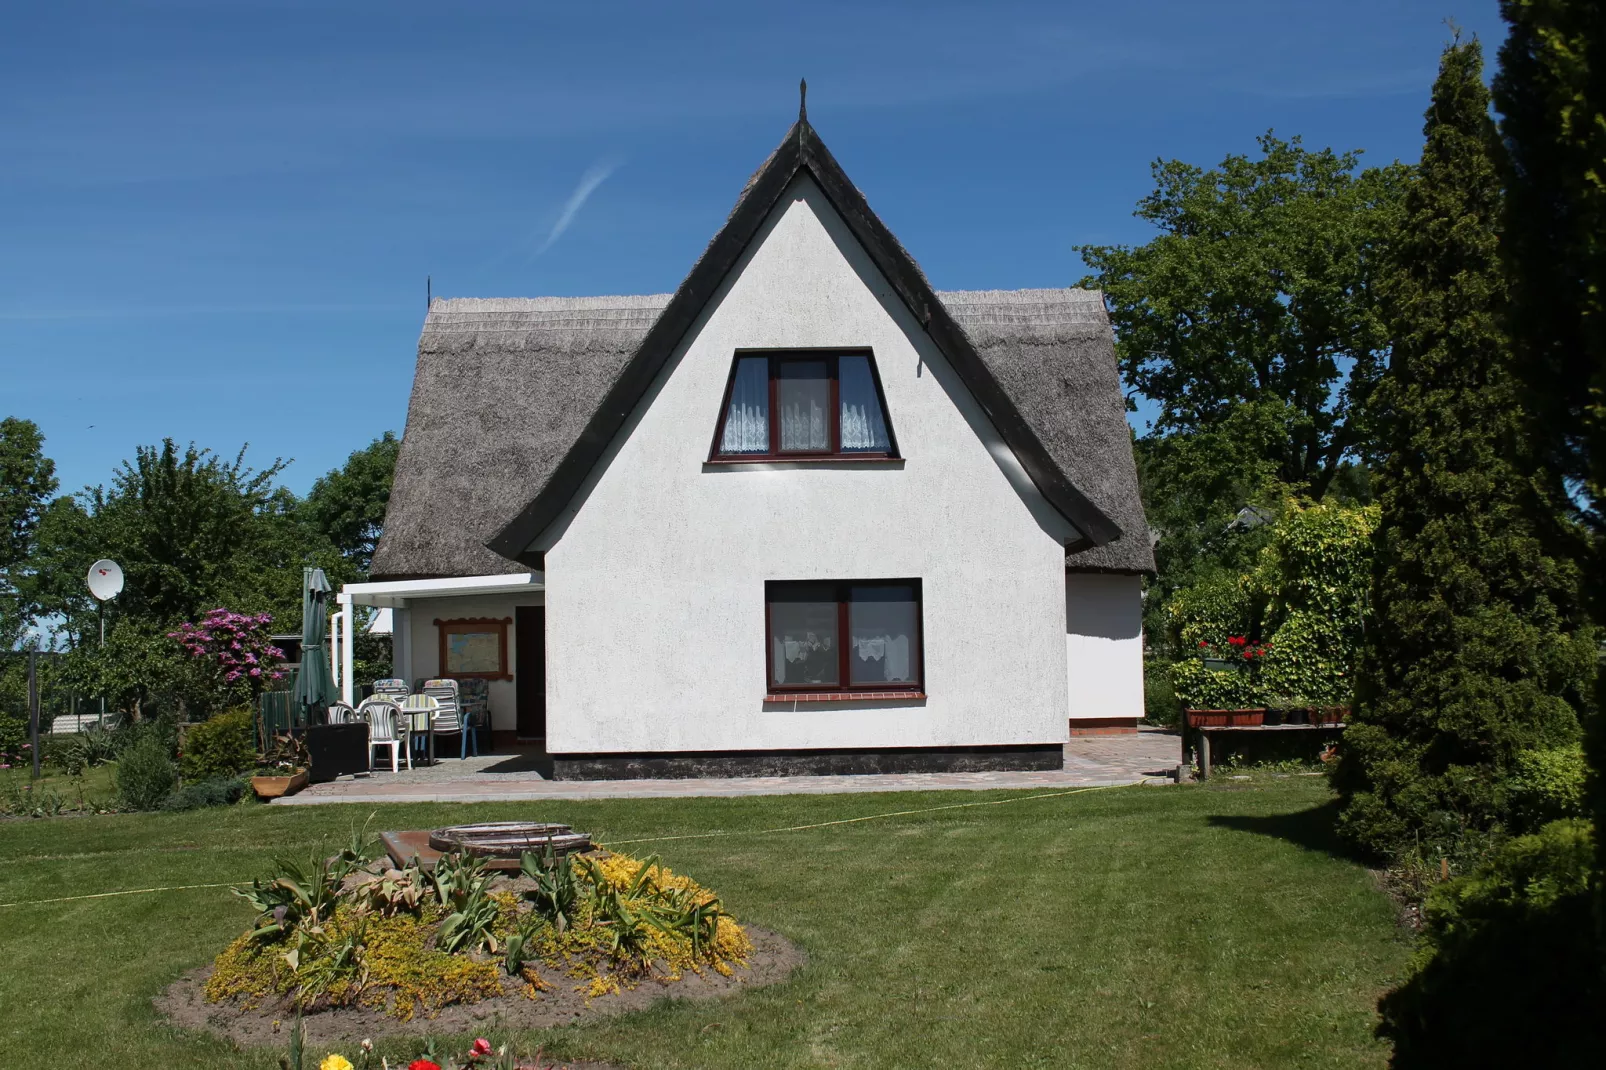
[(1206, 723)]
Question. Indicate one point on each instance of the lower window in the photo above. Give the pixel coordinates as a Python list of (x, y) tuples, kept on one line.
[(862, 635)]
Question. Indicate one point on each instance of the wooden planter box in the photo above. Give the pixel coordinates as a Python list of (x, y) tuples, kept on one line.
[(272, 787), (1226, 718)]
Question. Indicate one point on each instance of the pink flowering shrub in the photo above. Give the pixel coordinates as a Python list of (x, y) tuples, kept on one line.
[(236, 648)]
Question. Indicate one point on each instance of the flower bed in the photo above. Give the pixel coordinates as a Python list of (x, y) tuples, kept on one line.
[(350, 937)]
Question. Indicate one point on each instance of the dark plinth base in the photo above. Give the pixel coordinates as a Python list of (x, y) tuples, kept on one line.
[(336, 750), (1033, 756)]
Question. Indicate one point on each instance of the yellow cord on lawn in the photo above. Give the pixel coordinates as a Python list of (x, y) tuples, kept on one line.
[(661, 839), (104, 895)]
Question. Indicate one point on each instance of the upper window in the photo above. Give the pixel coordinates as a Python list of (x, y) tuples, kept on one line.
[(799, 405), (857, 636)]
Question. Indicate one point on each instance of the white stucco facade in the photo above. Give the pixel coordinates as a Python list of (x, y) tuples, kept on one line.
[(1104, 645), (655, 576)]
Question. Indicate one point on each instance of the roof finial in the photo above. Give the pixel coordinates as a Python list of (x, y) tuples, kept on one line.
[(802, 100)]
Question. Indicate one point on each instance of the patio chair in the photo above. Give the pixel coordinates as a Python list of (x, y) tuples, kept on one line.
[(391, 688), (474, 696), (386, 728), (450, 720), (419, 711), (339, 713)]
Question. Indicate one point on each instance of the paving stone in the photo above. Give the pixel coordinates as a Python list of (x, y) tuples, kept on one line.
[(1090, 761)]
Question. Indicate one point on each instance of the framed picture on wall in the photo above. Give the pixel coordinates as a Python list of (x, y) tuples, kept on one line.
[(474, 648)]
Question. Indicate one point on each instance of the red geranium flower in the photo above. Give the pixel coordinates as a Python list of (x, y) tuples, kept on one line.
[(423, 1064), (1203, 643)]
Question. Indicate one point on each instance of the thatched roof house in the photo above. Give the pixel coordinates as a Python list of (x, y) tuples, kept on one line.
[(804, 513)]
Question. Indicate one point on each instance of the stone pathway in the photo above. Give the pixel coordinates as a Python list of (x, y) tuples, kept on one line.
[(1090, 761)]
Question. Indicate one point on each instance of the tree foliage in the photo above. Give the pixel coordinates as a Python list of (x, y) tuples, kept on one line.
[(192, 532), (27, 480), (1551, 92), (348, 504), (1252, 319), (1478, 651)]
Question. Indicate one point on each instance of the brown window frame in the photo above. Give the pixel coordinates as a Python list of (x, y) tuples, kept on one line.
[(460, 625), (775, 453), (843, 591)]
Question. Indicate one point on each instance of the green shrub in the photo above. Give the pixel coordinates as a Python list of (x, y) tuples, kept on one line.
[(146, 772), (13, 740), (1160, 704), (1506, 945), (220, 747), (1546, 786), (1298, 611), (219, 791), (68, 753)]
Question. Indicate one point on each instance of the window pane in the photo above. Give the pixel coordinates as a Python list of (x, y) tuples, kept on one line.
[(864, 429), (884, 643), (803, 639), (747, 421), (803, 392)]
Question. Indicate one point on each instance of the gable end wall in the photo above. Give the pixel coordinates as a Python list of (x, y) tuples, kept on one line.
[(655, 577)]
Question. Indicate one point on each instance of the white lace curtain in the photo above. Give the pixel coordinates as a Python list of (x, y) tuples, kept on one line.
[(863, 426), (891, 650), (747, 421), (803, 424)]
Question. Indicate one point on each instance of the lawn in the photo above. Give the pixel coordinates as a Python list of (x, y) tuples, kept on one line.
[(1197, 926), (97, 785)]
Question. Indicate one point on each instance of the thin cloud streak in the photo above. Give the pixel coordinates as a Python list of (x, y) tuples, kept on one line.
[(594, 177)]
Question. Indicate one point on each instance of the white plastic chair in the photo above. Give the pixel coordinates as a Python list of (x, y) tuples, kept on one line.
[(386, 728), (339, 713)]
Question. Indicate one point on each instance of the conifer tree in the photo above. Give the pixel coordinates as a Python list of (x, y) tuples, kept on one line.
[(1551, 93), (1477, 651)]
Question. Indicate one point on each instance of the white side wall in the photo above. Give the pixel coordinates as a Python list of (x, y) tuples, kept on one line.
[(425, 648), (655, 580), (1104, 644)]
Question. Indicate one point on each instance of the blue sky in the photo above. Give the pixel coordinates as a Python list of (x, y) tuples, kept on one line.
[(218, 217)]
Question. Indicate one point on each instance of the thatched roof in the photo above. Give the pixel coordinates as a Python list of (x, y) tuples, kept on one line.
[(514, 401), (1053, 353), (505, 386)]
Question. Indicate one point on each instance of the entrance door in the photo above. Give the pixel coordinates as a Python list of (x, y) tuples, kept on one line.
[(529, 670)]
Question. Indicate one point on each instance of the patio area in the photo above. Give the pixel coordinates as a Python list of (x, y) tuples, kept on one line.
[(1148, 755)]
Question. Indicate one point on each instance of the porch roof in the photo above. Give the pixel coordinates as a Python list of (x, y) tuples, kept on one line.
[(398, 594)]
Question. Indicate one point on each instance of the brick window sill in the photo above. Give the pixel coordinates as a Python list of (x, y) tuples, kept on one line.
[(840, 696)]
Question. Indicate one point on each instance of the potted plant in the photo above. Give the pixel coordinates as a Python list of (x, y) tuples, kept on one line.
[(282, 770)]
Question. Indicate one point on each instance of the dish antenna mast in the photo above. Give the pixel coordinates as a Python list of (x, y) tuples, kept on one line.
[(105, 583)]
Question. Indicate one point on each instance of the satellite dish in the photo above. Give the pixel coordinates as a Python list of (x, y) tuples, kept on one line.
[(105, 579)]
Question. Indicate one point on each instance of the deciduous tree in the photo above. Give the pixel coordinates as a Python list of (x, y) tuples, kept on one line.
[(1254, 311), (348, 504), (27, 480)]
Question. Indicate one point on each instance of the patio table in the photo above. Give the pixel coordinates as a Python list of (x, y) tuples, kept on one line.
[(428, 727)]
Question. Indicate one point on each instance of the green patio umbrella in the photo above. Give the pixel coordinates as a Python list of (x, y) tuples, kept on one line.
[(315, 685)]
